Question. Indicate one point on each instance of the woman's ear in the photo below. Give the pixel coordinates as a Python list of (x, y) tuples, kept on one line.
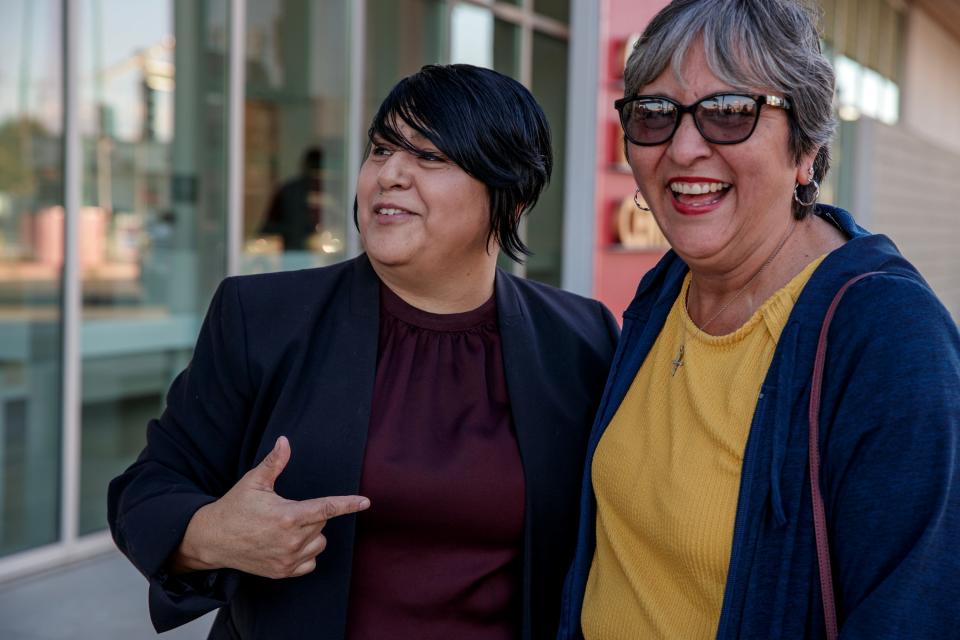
[(805, 168)]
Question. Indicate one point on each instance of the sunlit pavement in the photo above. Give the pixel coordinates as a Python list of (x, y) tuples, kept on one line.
[(99, 599)]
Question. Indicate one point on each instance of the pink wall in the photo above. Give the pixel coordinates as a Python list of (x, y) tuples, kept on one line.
[(616, 270)]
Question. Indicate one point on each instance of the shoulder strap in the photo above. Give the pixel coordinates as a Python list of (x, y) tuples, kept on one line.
[(819, 513)]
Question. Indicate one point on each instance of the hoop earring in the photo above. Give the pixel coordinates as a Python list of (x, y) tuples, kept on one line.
[(637, 202), (816, 194)]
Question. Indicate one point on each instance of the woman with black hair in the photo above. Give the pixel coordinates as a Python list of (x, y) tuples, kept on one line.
[(447, 400)]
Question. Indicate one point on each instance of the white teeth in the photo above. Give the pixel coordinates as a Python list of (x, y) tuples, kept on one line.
[(390, 212), (697, 188)]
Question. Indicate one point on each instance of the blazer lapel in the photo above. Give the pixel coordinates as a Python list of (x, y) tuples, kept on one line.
[(537, 439)]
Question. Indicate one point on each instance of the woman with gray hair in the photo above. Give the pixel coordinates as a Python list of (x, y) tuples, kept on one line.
[(774, 322)]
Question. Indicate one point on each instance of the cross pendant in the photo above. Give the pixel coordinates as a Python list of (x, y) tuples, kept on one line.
[(678, 361)]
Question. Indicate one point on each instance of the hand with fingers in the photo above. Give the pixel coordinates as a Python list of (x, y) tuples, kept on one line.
[(252, 529)]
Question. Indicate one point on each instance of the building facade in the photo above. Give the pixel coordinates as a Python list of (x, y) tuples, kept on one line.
[(149, 149)]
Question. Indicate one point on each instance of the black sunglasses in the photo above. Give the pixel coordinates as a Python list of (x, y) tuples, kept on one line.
[(721, 118)]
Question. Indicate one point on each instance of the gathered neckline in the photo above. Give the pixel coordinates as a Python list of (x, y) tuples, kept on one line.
[(393, 305)]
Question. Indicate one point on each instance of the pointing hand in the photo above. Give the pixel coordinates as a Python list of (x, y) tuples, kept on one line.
[(254, 530)]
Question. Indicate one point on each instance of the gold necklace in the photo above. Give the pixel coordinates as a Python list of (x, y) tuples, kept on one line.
[(677, 362)]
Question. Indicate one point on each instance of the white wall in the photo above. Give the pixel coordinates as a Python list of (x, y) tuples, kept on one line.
[(930, 92), (909, 189)]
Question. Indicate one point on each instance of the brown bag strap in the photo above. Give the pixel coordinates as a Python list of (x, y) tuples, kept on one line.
[(819, 513)]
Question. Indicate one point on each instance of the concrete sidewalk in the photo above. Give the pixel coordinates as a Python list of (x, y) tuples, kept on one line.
[(99, 599)]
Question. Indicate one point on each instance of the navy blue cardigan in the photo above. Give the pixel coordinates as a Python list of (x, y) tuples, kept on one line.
[(295, 354), (890, 442)]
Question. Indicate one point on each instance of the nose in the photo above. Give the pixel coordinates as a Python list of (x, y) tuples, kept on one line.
[(687, 144), (395, 171)]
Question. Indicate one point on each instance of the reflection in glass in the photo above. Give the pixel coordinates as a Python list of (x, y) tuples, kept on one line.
[(31, 257), (295, 198), (152, 229), (545, 222)]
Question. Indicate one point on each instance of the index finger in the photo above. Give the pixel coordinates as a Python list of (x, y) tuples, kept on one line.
[(317, 510)]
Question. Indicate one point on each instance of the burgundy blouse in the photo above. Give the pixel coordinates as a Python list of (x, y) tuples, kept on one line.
[(438, 554)]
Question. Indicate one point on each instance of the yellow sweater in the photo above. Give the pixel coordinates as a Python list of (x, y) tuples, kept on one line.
[(666, 474)]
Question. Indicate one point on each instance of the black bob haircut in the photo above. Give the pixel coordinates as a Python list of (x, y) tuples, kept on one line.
[(487, 124)]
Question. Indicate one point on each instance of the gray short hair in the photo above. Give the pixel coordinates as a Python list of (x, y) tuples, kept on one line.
[(750, 45)]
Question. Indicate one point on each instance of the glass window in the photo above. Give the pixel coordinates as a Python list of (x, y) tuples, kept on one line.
[(296, 201), (31, 257), (545, 222), (506, 48), (401, 36), (863, 90), (152, 228), (471, 35), (477, 38), (556, 9)]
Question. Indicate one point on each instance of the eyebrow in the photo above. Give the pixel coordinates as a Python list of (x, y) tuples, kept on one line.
[(422, 142), (416, 142), (417, 137)]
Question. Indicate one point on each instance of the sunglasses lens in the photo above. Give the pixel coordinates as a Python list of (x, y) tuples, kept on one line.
[(727, 118), (649, 121)]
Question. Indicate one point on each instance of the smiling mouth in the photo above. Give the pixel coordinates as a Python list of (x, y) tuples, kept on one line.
[(391, 211), (699, 194)]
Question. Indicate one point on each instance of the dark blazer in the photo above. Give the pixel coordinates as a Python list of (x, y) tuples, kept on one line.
[(295, 354)]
